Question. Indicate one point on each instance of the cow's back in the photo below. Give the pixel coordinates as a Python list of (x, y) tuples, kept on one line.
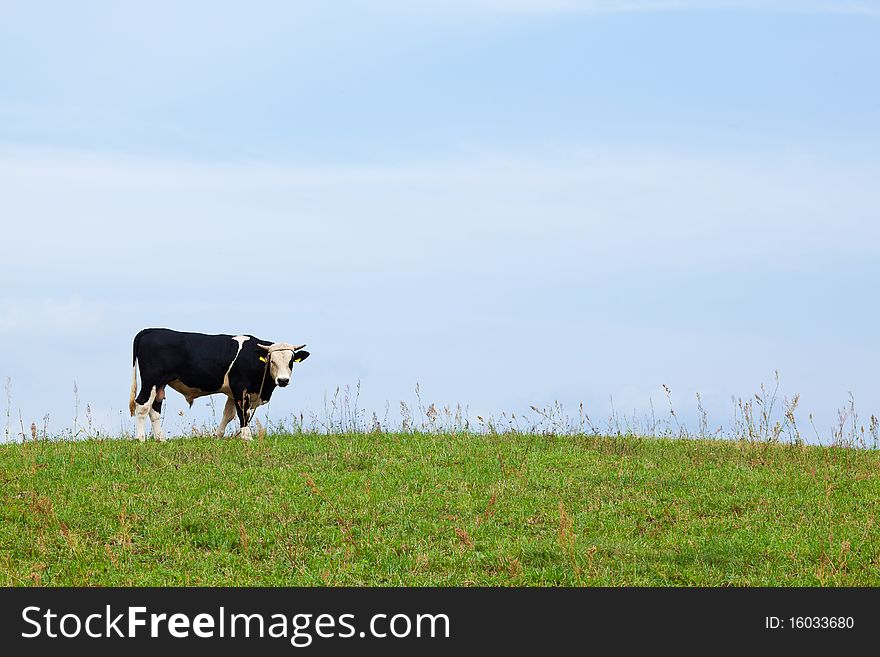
[(198, 360)]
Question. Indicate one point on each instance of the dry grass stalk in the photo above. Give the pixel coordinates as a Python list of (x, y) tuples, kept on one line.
[(464, 537)]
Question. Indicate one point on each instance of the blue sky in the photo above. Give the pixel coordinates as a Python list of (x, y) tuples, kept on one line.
[(510, 202)]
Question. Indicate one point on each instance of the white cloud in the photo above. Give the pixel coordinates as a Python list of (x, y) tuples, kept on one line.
[(46, 317), (154, 222)]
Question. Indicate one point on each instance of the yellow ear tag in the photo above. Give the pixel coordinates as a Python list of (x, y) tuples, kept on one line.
[(297, 360), (262, 359)]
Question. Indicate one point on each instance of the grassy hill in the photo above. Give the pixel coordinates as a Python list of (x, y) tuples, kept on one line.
[(438, 509)]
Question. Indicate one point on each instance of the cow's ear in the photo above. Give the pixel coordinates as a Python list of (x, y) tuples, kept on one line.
[(300, 356), (265, 351)]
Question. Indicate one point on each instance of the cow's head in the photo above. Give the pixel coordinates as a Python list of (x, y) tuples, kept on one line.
[(280, 358)]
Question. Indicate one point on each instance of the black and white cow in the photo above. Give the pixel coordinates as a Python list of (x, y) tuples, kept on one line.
[(242, 367)]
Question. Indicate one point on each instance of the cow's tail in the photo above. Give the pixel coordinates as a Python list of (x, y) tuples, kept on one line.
[(134, 373), (134, 383)]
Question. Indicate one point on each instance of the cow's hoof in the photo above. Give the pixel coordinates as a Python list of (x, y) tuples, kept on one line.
[(141, 439), (161, 438), (246, 434)]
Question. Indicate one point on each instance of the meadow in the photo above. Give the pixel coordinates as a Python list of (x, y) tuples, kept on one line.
[(441, 508)]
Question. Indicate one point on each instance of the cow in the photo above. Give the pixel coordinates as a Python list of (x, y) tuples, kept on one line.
[(242, 367)]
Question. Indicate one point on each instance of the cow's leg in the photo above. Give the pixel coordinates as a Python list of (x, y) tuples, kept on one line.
[(156, 415), (228, 414), (241, 409), (143, 405)]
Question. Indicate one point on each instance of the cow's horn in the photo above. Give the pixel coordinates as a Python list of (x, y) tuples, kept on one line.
[(264, 346), (299, 347)]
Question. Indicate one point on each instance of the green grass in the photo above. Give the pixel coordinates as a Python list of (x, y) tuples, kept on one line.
[(438, 510)]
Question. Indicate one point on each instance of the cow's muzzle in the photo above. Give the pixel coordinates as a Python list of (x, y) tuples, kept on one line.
[(283, 382)]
